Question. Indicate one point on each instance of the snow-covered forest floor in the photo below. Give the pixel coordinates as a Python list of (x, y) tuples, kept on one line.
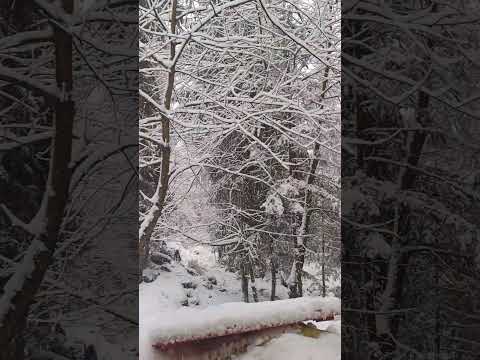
[(198, 281)]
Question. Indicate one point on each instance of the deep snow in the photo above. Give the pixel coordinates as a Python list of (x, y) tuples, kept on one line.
[(211, 285)]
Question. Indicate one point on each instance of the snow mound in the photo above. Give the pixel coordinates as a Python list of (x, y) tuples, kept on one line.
[(230, 318), (293, 346)]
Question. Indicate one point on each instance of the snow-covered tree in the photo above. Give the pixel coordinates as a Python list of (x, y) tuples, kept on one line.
[(250, 91)]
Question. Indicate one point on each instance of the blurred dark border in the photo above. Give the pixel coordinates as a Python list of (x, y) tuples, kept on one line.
[(410, 180), (68, 179)]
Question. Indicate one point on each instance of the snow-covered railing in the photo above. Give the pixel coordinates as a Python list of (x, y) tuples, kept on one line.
[(226, 328)]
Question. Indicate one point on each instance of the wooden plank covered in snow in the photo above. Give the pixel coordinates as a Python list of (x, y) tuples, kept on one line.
[(193, 325)]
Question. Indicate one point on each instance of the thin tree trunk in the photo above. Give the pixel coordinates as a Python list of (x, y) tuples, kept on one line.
[(252, 282), (244, 282), (299, 261), (158, 200), (292, 280), (273, 267), (300, 241), (20, 290), (324, 287), (407, 177)]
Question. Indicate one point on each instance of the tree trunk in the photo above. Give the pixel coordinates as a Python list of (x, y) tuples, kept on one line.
[(324, 287), (244, 282), (158, 200), (300, 246), (252, 282), (300, 260), (407, 176), (300, 240), (20, 290), (273, 267), (292, 280)]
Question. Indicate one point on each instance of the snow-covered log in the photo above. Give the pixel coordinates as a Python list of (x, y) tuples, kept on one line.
[(229, 328)]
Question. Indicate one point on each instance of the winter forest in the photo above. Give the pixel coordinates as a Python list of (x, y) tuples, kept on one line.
[(239, 155), (239, 179)]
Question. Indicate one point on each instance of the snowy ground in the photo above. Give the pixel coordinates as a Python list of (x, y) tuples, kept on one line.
[(292, 346), (211, 285)]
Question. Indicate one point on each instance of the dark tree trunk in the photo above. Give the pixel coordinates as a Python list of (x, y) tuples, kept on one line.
[(273, 267), (252, 282), (324, 287), (299, 270), (407, 179), (244, 282)]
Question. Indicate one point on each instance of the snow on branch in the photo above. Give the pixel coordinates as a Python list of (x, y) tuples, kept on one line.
[(23, 140), (25, 37), (54, 12), (23, 271), (48, 91), (297, 40)]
